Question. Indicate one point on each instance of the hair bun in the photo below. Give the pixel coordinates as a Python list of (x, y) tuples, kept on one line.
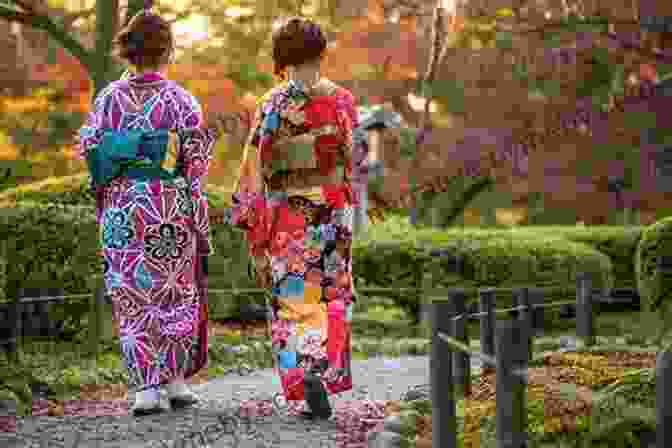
[(296, 40), (146, 40)]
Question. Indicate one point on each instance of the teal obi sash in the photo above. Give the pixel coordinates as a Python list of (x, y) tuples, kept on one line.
[(136, 154)]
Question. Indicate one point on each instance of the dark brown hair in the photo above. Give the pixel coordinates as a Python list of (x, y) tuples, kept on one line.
[(296, 41), (146, 41)]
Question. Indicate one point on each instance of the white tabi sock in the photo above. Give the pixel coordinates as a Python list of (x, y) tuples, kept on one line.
[(147, 396), (177, 389)]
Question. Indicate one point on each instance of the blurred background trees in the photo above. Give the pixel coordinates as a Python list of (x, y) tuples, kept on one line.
[(511, 101)]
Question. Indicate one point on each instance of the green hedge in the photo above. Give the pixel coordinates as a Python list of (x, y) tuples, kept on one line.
[(44, 255), (491, 259), (394, 255), (618, 243), (71, 193), (51, 246), (72, 190), (69, 259), (654, 288)]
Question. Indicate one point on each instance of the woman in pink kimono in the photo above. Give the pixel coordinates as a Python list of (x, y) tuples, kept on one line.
[(153, 223)]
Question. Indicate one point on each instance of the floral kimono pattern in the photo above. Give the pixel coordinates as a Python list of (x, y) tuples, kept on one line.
[(153, 233), (308, 242)]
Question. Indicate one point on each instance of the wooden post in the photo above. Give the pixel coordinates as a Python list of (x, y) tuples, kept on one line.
[(664, 399), (584, 311), (525, 316), (461, 364), (510, 399), (444, 435), (487, 296), (536, 297), (15, 315)]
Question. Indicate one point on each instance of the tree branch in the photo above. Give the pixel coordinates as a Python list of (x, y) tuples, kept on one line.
[(71, 18), (57, 32), (402, 106), (28, 6), (12, 15), (597, 20), (465, 199)]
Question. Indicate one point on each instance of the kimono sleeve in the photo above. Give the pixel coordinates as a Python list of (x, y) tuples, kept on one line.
[(251, 211), (91, 133), (194, 152), (354, 141)]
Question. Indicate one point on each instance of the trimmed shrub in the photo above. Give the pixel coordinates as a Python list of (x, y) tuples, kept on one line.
[(654, 288), (51, 246), (617, 242), (395, 255), (70, 190), (45, 256), (490, 259), (74, 190)]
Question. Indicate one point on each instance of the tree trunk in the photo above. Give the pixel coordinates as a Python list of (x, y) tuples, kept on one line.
[(97, 62), (107, 13)]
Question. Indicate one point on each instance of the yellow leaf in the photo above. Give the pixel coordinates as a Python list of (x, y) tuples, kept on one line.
[(504, 12)]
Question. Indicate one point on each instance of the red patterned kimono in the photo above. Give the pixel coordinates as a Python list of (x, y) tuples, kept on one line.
[(308, 242)]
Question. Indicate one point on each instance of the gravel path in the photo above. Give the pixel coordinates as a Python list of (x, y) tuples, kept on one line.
[(356, 412)]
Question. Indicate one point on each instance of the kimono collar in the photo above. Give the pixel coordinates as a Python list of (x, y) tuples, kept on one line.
[(145, 77), (323, 87)]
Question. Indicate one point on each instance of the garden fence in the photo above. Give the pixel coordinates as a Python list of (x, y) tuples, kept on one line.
[(509, 352), (506, 346)]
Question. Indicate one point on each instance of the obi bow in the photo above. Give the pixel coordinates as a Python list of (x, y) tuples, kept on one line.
[(135, 153)]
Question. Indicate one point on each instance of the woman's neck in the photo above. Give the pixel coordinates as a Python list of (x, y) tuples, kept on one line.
[(149, 70), (309, 75)]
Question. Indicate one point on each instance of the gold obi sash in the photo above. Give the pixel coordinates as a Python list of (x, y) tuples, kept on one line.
[(294, 168)]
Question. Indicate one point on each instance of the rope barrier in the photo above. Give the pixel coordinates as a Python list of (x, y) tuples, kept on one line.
[(457, 345), (516, 308)]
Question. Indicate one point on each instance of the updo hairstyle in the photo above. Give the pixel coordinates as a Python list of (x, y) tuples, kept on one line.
[(296, 41), (146, 41)]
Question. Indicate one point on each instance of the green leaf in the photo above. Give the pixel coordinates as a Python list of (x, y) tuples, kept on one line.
[(601, 75), (407, 146), (664, 70), (601, 97), (451, 91), (520, 72), (550, 87), (504, 12), (552, 39), (504, 40), (602, 55), (640, 120), (618, 80), (589, 28)]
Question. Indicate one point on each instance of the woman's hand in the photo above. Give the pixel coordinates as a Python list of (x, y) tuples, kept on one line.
[(263, 272), (390, 191), (236, 125)]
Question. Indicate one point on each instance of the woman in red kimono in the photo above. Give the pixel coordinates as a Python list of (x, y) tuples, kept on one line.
[(301, 140)]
